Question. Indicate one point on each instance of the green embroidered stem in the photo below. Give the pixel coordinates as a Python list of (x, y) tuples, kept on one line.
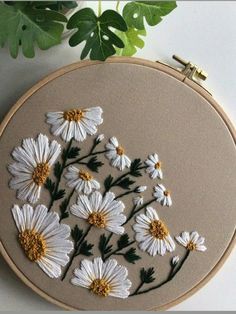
[(77, 161), (117, 5), (99, 7), (173, 272), (76, 250), (135, 210), (115, 252), (124, 194), (64, 206), (63, 166)]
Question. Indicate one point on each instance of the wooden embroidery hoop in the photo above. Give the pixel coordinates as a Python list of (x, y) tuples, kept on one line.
[(160, 67)]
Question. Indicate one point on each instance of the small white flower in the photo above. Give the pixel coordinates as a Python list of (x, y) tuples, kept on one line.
[(154, 167), (75, 123), (103, 278), (152, 234), (43, 238), (116, 154), (34, 160), (162, 195), (140, 189), (81, 180), (175, 260), (192, 241), (138, 200), (101, 212), (100, 138)]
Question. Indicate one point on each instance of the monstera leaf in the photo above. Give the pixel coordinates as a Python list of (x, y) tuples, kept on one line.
[(135, 12), (131, 40), (23, 25), (96, 32)]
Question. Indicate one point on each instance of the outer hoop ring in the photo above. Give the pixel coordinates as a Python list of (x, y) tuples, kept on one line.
[(149, 64)]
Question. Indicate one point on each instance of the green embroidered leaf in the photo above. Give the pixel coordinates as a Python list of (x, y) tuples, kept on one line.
[(29, 26), (131, 40), (125, 183), (49, 185), (123, 241), (99, 39), (103, 248), (59, 194), (134, 167), (131, 256), (85, 249), (146, 276), (76, 233), (73, 152), (57, 169), (108, 182), (135, 12), (63, 209), (94, 165)]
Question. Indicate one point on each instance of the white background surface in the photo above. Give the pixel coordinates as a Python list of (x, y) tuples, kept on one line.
[(201, 31)]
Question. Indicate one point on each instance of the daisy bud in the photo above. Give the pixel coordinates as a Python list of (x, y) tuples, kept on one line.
[(138, 200), (99, 138), (140, 189), (175, 260)]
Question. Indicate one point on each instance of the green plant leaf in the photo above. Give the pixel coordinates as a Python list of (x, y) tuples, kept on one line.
[(76, 233), (96, 32), (103, 247), (131, 256), (123, 241), (56, 5), (131, 40), (23, 25), (60, 194), (134, 167), (57, 169), (146, 276), (125, 183), (135, 12), (49, 185), (108, 182), (85, 249)]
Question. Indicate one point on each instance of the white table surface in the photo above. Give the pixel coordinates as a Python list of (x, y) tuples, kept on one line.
[(201, 31)]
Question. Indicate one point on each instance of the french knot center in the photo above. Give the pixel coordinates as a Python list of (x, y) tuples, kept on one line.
[(33, 244), (158, 229), (97, 219), (84, 175), (40, 173), (73, 115), (100, 287)]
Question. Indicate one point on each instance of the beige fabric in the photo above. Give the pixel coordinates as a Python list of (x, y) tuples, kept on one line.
[(148, 111)]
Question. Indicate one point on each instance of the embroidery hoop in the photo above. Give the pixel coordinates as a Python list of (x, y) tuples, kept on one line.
[(159, 67)]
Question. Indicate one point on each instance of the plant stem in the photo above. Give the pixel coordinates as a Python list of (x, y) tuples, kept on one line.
[(118, 250), (117, 5), (99, 7), (138, 288), (84, 157), (76, 250), (135, 210), (169, 278), (124, 194), (63, 166)]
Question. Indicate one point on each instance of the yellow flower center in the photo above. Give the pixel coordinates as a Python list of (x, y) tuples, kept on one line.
[(167, 193), (73, 115), (40, 173), (84, 175), (100, 287), (97, 219), (158, 229), (158, 165), (191, 246), (33, 244), (120, 150)]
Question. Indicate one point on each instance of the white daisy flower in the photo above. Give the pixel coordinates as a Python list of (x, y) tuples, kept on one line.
[(101, 212), (154, 167), (100, 138), (103, 278), (81, 180), (192, 241), (175, 260), (152, 234), (140, 189), (75, 123), (43, 238), (162, 195), (116, 154), (34, 160), (138, 200)]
